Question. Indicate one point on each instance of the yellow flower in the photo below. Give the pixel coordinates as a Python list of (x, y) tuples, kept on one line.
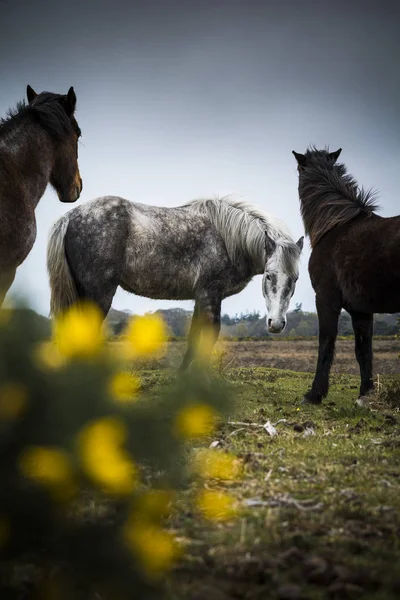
[(154, 505), (216, 465), (13, 400), (47, 356), (103, 458), (146, 335), (78, 332), (50, 467), (124, 387), (216, 506), (195, 420), (155, 549), (4, 531)]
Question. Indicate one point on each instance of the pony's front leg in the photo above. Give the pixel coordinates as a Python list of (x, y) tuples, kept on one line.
[(363, 330), (204, 329), (194, 333), (328, 317), (210, 315), (6, 279)]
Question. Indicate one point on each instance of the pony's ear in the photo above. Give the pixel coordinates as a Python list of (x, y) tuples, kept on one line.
[(30, 94), (70, 102), (300, 243), (301, 159), (335, 155), (269, 244)]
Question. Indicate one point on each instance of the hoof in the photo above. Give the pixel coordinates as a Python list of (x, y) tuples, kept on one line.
[(197, 368), (363, 401), (307, 400), (193, 366)]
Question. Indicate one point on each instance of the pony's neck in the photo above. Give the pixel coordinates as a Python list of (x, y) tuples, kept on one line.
[(335, 182), (242, 238), (329, 199), (28, 152)]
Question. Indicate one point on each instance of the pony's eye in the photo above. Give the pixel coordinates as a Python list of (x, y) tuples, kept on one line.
[(268, 276)]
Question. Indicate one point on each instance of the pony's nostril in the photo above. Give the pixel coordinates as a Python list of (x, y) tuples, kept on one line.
[(269, 322), (283, 322)]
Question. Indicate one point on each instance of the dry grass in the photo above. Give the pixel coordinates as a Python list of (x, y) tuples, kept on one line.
[(293, 355)]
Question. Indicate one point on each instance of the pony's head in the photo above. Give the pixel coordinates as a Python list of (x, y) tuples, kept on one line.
[(56, 112), (314, 157), (279, 280)]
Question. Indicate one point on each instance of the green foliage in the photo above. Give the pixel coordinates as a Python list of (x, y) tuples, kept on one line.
[(390, 392), (45, 516), (321, 516), (117, 321)]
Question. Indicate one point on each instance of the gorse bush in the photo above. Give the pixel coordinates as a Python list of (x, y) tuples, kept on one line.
[(390, 391), (90, 466)]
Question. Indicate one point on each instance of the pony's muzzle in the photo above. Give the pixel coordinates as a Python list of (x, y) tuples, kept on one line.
[(79, 188), (74, 192), (276, 325)]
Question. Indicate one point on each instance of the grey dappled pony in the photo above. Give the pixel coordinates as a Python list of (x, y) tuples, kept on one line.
[(205, 250)]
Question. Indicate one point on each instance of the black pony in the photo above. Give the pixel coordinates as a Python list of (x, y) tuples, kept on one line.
[(354, 262)]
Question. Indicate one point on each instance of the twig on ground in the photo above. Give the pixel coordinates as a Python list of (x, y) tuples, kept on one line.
[(236, 431), (282, 499), (268, 475), (268, 427), (245, 424)]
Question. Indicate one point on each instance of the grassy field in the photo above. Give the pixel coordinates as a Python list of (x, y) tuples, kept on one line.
[(319, 502)]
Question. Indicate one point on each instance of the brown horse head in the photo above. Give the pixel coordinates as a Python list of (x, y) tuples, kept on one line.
[(58, 111)]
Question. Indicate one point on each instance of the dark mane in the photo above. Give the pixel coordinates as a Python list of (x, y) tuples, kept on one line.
[(329, 196), (47, 111)]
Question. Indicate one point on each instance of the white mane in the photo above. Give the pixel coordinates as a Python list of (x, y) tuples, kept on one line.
[(243, 226)]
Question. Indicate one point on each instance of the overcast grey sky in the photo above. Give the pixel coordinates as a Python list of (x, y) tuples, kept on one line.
[(181, 99)]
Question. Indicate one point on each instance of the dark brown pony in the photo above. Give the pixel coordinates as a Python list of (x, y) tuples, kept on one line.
[(38, 145), (354, 262)]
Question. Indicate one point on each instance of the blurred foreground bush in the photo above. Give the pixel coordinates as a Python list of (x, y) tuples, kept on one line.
[(89, 466)]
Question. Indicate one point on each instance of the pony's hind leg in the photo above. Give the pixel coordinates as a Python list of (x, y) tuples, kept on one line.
[(363, 330), (328, 317), (96, 266)]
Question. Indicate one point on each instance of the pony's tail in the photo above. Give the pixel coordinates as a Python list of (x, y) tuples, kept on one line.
[(62, 285)]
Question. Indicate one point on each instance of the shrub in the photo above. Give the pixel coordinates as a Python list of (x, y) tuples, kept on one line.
[(90, 465), (390, 391)]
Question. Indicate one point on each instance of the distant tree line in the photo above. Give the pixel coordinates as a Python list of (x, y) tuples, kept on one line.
[(252, 324), (244, 325)]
